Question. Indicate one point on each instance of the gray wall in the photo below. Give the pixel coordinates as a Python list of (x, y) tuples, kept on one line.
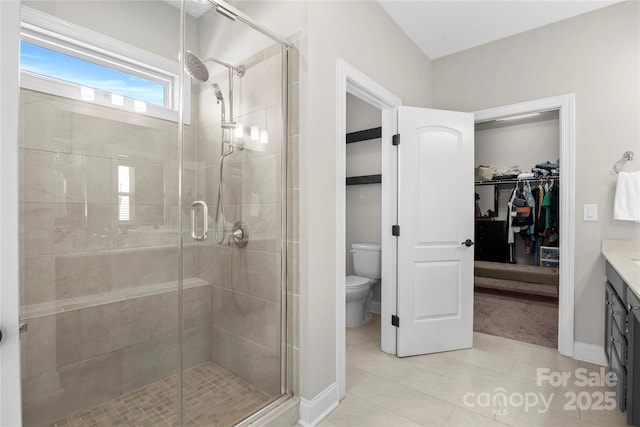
[(595, 56), (392, 60)]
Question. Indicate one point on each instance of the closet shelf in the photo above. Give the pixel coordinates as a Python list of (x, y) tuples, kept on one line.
[(364, 135), (515, 180), (364, 179)]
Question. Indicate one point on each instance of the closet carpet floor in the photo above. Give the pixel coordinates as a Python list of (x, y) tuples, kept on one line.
[(518, 317)]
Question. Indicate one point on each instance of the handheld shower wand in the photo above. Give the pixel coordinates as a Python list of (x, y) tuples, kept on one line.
[(195, 67)]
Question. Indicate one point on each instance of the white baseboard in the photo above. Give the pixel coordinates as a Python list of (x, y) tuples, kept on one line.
[(314, 410), (589, 353), (375, 307)]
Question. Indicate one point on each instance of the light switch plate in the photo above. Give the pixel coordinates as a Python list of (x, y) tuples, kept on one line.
[(590, 212)]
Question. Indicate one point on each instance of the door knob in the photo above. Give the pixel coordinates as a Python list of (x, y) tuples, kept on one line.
[(467, 242)]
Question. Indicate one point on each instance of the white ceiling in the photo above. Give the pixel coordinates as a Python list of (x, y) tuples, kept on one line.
[(441, 28)]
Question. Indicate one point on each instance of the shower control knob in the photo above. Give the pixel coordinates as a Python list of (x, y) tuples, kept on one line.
[(468, 242), (240, 234)]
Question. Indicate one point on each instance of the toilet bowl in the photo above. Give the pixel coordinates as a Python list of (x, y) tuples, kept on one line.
[(358, 293), (366, 265)]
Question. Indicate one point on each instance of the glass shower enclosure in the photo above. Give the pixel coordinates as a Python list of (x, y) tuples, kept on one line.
[(152, 213)]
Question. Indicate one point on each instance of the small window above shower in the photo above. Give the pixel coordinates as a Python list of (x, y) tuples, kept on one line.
[(68, 60)]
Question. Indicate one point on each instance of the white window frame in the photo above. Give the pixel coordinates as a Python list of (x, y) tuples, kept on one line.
[(52, 33), (130, 194)]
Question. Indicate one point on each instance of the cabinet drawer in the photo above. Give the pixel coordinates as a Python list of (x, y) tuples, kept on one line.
[(632, 299), (619, 344), (608, 296), (616, 281), (549, 253), (619, 313), (621, 374)]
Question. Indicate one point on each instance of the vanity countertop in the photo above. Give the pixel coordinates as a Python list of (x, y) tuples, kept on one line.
[(624, 257)]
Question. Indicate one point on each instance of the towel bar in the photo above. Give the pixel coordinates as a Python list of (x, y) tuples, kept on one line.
[(628, 155)]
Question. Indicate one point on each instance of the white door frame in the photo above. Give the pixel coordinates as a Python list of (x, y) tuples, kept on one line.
[(10, 405), (565, 104), (350, 80)]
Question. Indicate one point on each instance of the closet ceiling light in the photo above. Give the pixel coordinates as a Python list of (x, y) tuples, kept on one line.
[(520, 116)]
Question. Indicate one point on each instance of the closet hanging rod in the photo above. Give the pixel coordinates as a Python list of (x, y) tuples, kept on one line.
[(628, 155), (516, 180)]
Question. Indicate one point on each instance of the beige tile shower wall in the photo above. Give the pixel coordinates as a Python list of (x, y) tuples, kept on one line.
[(246, 282), (72, 242), (91, 334), (75, 359)]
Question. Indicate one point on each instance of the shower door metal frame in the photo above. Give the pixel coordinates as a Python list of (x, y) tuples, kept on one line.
[(10, 383)]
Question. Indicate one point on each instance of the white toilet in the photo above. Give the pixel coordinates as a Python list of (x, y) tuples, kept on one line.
[(366, 265)]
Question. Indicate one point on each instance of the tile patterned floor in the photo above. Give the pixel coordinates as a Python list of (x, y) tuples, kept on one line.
[(213, 396), (431, 390)]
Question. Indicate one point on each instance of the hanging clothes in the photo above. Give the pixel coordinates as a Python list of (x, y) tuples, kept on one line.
[(548, 218), (529, 235), (540, 221), (512, 229), (531, 201), (554, 213), (520, 219)]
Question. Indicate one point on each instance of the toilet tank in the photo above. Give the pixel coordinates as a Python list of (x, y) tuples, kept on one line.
[(366, 260)]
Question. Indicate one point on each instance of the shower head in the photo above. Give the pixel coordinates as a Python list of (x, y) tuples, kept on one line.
[(218, 93), (195, 68)]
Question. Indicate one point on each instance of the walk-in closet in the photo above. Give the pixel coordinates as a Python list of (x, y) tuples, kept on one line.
[(517, 217)]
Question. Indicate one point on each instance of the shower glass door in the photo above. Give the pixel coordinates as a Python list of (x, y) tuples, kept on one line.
[(234, 152), (151, 214), (99, 218)]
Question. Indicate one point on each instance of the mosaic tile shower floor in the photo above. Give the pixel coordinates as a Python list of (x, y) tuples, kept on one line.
[(213, 396)]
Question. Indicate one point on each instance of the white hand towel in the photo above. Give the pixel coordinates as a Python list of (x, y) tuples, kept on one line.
[(626, 206)]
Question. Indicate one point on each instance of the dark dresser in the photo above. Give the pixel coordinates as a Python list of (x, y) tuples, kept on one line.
[(491, 240)]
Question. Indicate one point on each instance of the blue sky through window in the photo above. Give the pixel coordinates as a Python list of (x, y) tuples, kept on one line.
[(57, 65)]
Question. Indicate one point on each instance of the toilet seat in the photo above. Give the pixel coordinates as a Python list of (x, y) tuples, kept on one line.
[(356, 283)]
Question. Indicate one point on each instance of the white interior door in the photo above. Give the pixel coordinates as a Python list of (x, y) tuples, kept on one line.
[(436, 217)]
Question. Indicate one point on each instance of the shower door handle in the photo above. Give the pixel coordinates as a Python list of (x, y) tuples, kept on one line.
[(205, 222)]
